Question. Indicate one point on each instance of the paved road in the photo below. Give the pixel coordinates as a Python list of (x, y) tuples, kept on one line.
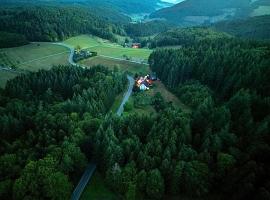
[(72, 51), (126, 96), (92, 166), (88, 173)]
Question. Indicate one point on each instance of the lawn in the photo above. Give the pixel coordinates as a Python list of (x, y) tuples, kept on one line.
[(96, 190), (5, 76), (34, 56), (105, 47), (122, 65), (117, 102), (84, 41)]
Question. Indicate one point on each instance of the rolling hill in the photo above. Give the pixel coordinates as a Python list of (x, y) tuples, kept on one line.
[(124, 6), (194, 12), (251, 28)]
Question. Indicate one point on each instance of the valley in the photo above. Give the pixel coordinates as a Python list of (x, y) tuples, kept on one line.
[(134, 100)]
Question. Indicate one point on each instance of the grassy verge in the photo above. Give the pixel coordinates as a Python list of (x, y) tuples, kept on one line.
[(170, 97), (96, 190)]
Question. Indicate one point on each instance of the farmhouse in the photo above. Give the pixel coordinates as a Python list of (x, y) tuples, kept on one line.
[(144, 83), (136, 45)]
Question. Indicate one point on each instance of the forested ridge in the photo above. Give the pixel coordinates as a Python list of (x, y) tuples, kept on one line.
[(185, 36), (226, 82), (55, 23), (44, 122)]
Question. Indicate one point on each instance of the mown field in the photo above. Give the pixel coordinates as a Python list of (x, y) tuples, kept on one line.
[(106, 48), (34, 56), (31, 57)]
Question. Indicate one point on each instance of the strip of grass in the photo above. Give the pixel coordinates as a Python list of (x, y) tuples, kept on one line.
[(169, 97), (96, 190), (122, 65), (121, 52)]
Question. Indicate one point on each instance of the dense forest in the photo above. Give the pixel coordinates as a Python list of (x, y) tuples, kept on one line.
[(146, 28), (185, 36), (45, 120), (55, 23), (12, 40), (226, 82)]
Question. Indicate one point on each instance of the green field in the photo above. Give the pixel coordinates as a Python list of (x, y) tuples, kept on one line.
[(261, 10), (34, 56), (104, 47), (122, 65), (96, 190)]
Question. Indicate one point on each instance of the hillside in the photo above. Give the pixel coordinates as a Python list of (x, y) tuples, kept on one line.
[(54, 23), (125, 6), (193, 12), (185, 36), (252, 28)]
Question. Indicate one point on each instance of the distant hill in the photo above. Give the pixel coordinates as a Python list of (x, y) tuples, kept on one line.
[(106, 12), (252, 28), (197, 12), (124, 6)]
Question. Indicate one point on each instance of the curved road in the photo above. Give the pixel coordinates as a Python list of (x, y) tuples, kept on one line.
[(72, 51), (126, 96), (89, 171)]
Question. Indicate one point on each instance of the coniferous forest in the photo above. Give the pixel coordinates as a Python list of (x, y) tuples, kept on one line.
[(54, 122), (44, 122)]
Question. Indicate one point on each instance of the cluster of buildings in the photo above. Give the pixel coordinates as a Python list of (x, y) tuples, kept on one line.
[(83, 54), (144, 83)]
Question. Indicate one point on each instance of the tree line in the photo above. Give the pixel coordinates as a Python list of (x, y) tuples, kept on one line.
[(12, 40), (45, 120)]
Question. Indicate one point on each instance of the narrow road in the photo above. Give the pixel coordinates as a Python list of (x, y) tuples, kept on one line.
[(126, 96), (89, 171)]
